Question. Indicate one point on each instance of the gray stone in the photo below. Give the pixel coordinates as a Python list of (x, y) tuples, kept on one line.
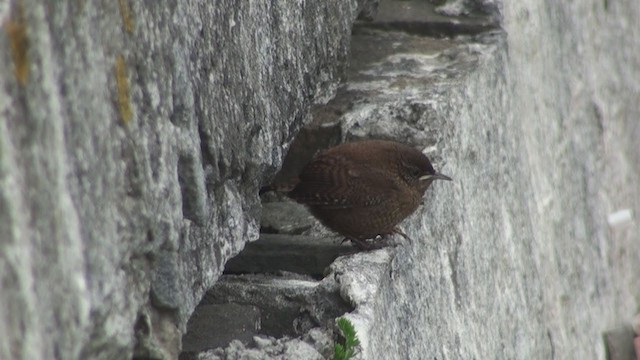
[(274, 253), (285, 217), (295, 315), (422, 17), (134, 137), (270, 348), (297, 349), (165, 287), (289, 305), (538, 128), (133, 140), (213, 326)]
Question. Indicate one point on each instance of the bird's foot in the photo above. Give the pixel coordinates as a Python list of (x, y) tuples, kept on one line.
[(399, 231)]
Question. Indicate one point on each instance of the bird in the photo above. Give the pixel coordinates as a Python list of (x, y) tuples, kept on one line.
[(364, 189)]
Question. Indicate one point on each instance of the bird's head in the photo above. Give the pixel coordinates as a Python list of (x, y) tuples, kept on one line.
[(417, 171)]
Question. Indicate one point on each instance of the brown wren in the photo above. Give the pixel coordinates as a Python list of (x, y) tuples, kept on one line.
[(365, 189)]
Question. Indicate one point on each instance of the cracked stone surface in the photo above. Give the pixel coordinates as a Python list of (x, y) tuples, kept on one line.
[(134, 138), (294, 318), (516, 258)]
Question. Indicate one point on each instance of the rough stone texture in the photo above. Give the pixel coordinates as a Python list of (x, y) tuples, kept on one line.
[(296, 315), (285, 217), (423, 18), (298, 254), (539, 129), (469, 7), (134, 137), (289, 304), (212, 326), (575, 100), (266, 348)]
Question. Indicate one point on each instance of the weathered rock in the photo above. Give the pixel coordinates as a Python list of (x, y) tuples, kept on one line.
[(294, 318), (538, 128), (285, 217), (215, 325), (289, 305), (268, 348), (274, 253), (133, 140)]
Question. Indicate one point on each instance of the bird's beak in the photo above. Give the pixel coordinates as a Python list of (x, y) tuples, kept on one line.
[(436, 176)]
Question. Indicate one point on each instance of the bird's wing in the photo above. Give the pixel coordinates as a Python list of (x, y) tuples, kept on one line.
[(334, 181)]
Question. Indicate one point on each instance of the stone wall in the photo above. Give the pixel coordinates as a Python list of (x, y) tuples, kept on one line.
[(134, 138), (520, 257)]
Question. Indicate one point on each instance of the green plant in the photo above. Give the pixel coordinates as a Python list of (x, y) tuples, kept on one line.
[(348, 349)]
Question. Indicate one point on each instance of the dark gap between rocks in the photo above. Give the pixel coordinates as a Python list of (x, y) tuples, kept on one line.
[(276, 289), (243, 307), (281, 253), (420, 17)]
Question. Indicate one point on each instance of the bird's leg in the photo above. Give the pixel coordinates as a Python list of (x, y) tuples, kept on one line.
[(399, 231)]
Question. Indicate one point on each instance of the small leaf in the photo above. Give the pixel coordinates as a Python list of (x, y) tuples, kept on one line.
[(339, 353), (346, 351)]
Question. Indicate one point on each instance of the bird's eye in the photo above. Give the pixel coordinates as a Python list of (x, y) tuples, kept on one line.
[(414, 171)]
